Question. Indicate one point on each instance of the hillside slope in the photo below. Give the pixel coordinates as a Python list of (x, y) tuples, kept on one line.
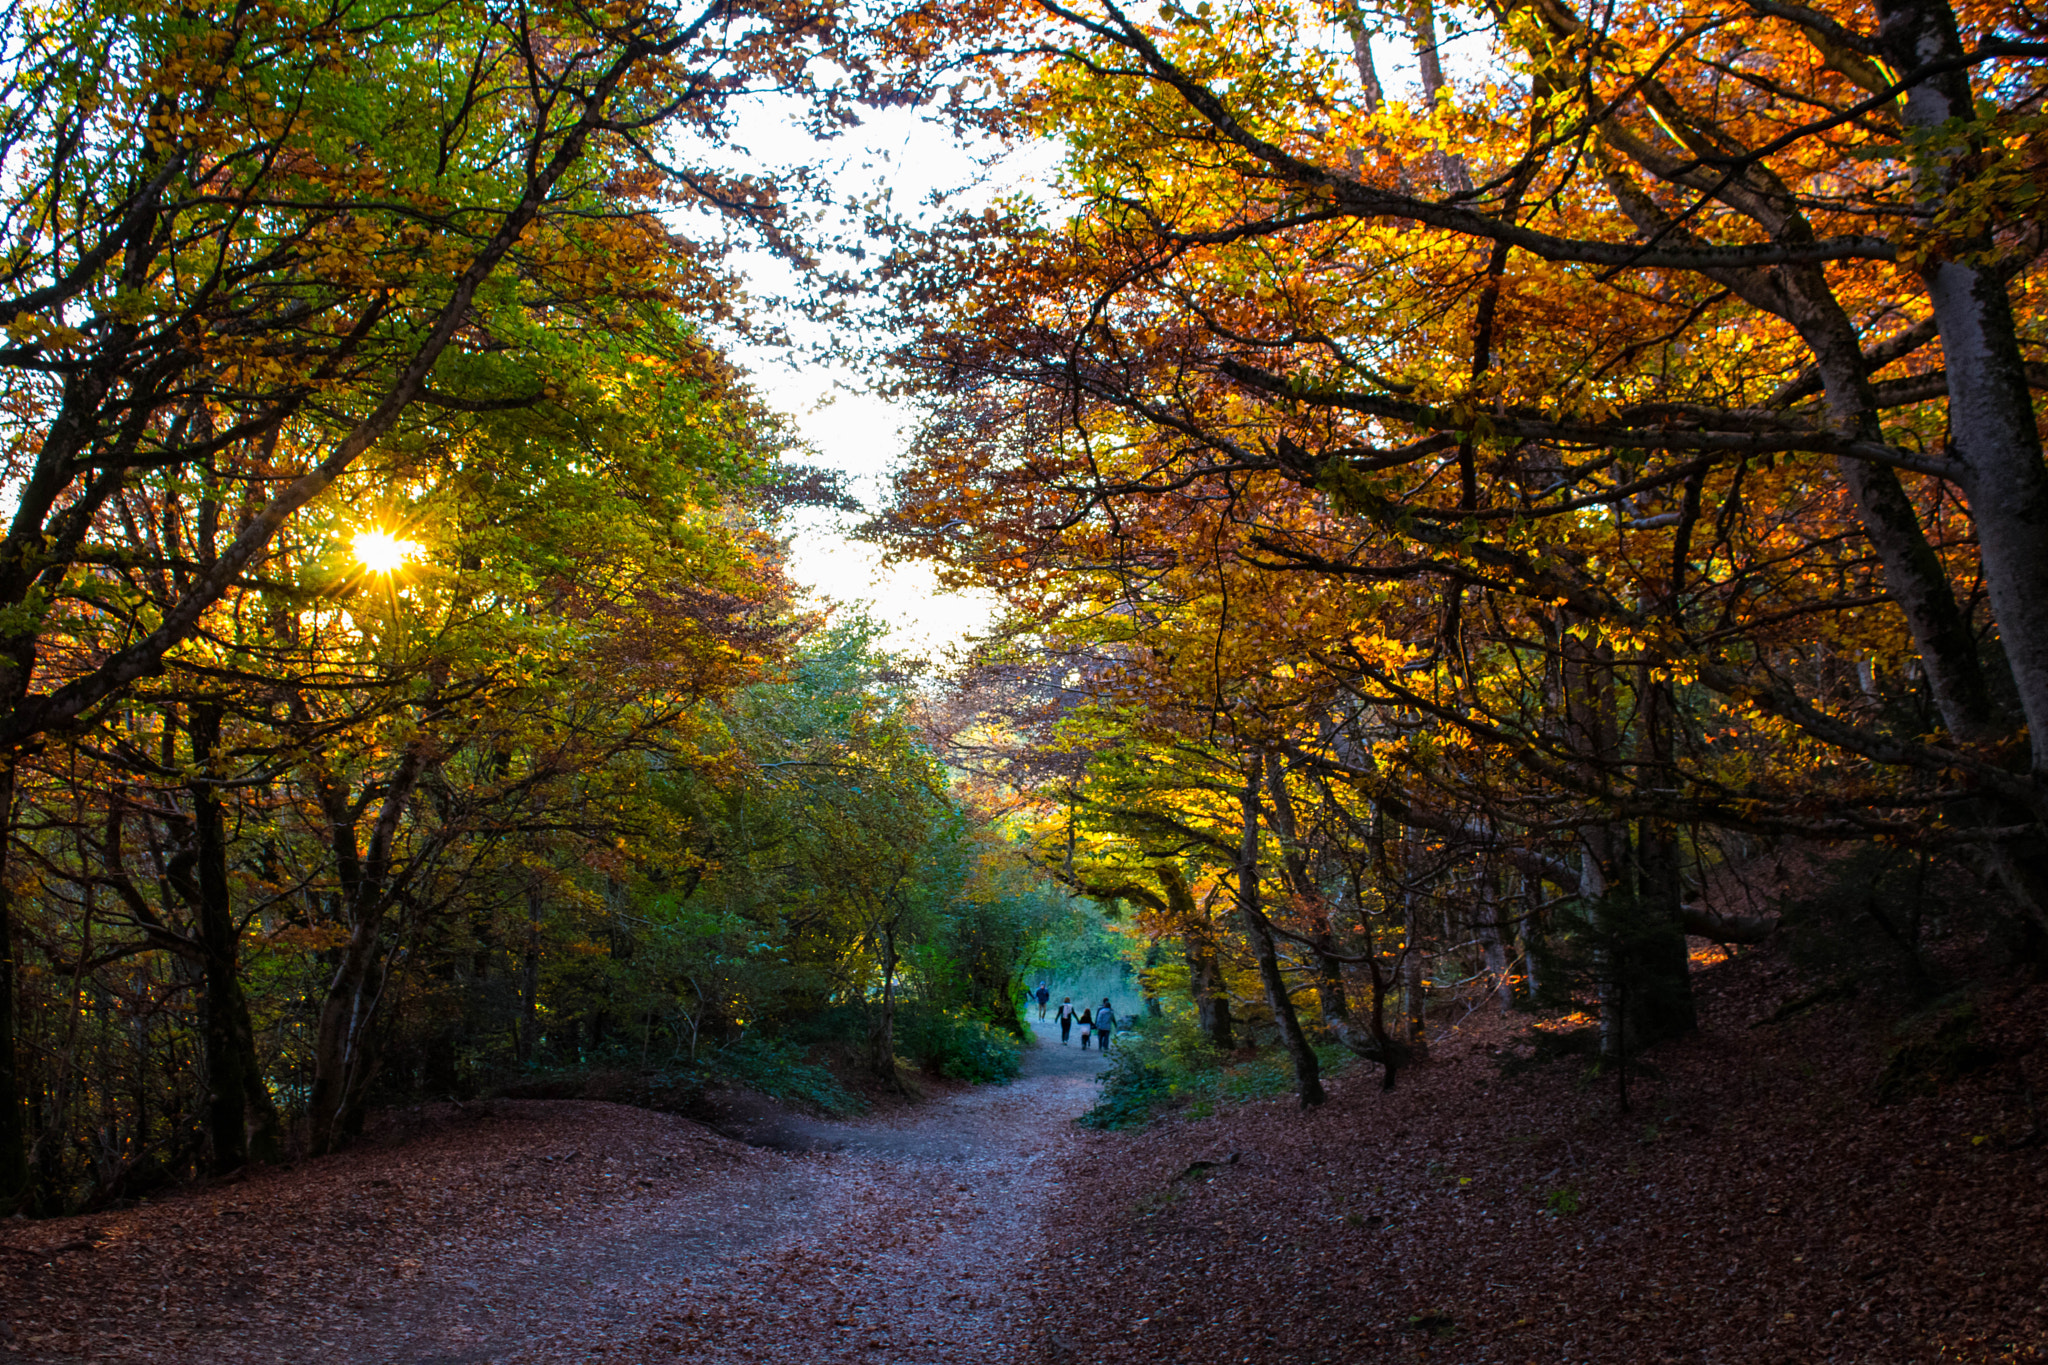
[(1757, 1204)]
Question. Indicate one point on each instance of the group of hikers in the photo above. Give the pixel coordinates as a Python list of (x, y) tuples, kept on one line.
[(1100, 1021)]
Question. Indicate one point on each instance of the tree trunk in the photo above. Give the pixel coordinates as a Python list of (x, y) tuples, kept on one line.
[(234, 1073), (340, 1063), (529, 980), (1660, 970), (1593, 884), (1322, 936), (1493, 939), (1205, 975), (1414, 994), (1590, 692), (1528, 937), (1992, 424), (13, 1117), (1212, 998), (1414, 1003), (882, 1037), (343, 1066), (1332, 997), (1307, 1071)]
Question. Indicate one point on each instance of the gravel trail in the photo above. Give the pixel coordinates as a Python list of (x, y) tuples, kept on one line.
[(897, 1241), (546, 1232)]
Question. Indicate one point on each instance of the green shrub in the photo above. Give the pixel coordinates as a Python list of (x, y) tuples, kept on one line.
[(1133, 1088), (1933, 1058), (782, 1070), (1168, 1062), (957, 1043)]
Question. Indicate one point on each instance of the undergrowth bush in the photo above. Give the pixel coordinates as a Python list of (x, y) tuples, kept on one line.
[(782, 1070), (958, 1044), (1168, 1063)]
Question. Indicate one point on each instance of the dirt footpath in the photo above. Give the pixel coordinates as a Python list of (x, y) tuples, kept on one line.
[(915, 1241), (540, 1233)]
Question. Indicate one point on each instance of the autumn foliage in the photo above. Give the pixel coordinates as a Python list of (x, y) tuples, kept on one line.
[(393, 631), (1492, 514)]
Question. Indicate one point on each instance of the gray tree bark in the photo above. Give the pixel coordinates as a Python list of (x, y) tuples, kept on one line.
[(1995, 434), (1307, 1070)]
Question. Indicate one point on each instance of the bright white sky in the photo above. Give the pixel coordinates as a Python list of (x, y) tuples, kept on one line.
[(849, 429), (863, 435)]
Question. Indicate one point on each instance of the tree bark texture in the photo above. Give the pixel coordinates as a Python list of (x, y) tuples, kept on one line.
[(1205, 973), (343, 1064), (13, 1115), (1995, 435), (238, 1094), (1307, 1071)]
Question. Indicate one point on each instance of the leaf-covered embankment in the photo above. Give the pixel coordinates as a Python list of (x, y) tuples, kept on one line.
[(1756, 1205), (509, 1210)]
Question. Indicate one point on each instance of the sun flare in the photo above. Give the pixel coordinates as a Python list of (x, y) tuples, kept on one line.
[(382, 552)]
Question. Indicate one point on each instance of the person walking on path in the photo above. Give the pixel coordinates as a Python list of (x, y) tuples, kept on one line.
[(1087, 1022), (1066, 1017), (1105, 1024), (1044, 994)]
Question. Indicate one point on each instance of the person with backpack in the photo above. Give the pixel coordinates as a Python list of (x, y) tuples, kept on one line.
[(1066, 1017), (1105, 1024), (1087, 1022), (1044, 994)]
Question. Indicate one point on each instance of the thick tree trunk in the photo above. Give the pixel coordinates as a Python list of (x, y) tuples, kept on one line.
[(1992, 425), (1212, 999), (1660, 968), (13, 1116), (1307, 1071), (1590, 689), (343, 1064), (238, 1093)]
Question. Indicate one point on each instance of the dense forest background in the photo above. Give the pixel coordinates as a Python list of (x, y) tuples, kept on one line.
[(1513, 532), (404, 694), (1491, 543)]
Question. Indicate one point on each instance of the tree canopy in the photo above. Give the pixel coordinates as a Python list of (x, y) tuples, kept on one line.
[(1607, 455)]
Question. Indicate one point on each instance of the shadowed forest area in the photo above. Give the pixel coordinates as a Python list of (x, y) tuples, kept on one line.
[(1522, 541)]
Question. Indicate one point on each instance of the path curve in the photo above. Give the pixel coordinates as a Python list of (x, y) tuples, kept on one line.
[(898, 1240)]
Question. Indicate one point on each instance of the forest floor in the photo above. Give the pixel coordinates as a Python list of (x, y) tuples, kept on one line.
[(558, 1231), (1755, 1204)]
